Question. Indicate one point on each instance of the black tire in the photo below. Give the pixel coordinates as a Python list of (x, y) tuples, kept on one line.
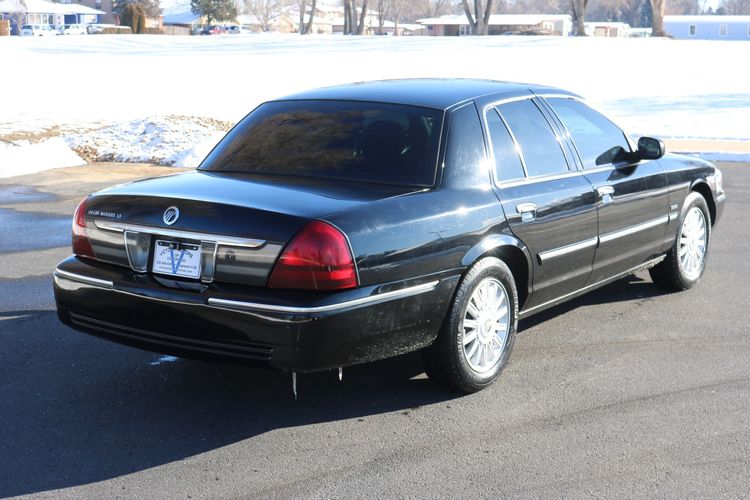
[(445, 361), (670, 273)]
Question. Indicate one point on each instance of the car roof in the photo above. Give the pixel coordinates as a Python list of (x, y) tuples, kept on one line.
[(439, 93)]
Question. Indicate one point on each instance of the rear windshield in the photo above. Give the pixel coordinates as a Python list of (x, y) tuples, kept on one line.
[(355, 141)]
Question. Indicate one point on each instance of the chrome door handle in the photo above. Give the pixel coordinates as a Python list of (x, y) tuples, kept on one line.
[(605, 193), (527, 211)]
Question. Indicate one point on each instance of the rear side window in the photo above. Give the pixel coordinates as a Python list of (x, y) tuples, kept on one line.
[(598, 140), (355, 141), (464, 152), (541, 152), (508, 165)]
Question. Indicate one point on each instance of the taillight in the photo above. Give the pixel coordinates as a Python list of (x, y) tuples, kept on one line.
[(81, 243), (317, 258)]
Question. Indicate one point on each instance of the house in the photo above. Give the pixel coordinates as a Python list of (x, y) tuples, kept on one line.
[(501, 24), (607, 29), (181, 23), (103, 5), (708, 27), (280, 23), (20, 12)]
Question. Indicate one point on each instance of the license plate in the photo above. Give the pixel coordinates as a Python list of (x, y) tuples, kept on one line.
[(177, 259)]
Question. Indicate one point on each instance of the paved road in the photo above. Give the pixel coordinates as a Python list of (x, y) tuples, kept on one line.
[(625, 392)]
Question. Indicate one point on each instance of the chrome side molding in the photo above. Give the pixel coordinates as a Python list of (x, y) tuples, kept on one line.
[(664, 219), (559, 252)]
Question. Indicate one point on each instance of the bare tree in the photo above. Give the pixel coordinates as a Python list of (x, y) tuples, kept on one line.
[(736, 7), (361, 27), (657, 23), (263, 10), (306, 27), (436, 7), (384, 8), (578, 9), (479, 20)]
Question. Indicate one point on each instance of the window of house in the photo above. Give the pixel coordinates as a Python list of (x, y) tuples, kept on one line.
[(540, 148), (598, 140), (508, 165), (692, 30), (722, 30)]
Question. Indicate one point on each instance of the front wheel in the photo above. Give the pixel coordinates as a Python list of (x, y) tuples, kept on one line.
[(685, 262), (477, 337)]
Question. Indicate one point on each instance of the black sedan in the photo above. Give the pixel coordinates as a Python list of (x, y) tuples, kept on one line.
[(354, 223)]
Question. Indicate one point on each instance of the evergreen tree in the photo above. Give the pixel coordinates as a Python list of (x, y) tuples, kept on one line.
[(214, 10)]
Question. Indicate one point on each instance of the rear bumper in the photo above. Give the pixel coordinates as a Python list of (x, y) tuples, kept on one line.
[(290, 330)]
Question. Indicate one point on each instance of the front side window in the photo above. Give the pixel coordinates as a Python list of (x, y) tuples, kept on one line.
[(598, 140), (344, 140), (540, 149)]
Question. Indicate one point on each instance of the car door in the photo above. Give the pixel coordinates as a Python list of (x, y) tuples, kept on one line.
[(633, 202), (550, 206)]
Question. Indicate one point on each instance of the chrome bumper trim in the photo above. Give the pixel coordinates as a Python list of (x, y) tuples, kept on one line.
[(272, 308), (371, 300), (88, 280), (119, 227)]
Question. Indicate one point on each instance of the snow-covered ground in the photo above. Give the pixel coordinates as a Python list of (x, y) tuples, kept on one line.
[(135, 88)]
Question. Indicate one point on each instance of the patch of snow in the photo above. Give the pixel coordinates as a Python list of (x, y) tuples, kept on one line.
[(695, 90), (24, 158), (164, 140)]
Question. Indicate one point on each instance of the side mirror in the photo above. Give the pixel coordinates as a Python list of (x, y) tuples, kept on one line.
[(650, 148)]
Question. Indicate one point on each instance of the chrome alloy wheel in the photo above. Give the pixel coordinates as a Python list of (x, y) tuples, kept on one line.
[(485, 325), (693, 243)]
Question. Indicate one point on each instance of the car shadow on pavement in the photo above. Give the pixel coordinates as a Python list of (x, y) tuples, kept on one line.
[(76, 409), (631, 288)]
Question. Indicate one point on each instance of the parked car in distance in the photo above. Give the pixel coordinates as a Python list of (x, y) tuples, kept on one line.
[(213, 30), (353, 223), (73, 29), (38, 30)]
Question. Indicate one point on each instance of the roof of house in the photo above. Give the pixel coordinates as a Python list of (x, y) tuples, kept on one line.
[(45, 7), (436, 93), (707, 19), (496, 19), (186, 18)]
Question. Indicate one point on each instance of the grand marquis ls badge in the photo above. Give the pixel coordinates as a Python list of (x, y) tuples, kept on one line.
[(171, 215)]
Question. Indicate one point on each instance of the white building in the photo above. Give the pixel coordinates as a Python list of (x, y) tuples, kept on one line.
[(708, 27), (611, 29), (501, 24), (21, 12)]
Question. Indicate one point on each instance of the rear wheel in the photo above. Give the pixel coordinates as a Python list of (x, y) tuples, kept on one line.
[(686, 260), (477, 337)]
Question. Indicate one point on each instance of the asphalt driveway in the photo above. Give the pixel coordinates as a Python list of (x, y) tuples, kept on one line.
[(625, 392)]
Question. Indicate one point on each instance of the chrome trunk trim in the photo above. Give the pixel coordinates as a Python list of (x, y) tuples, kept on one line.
[(234, 241)]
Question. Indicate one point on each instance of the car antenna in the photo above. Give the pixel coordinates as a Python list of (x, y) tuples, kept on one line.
[(294, 384), (341, 374)]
